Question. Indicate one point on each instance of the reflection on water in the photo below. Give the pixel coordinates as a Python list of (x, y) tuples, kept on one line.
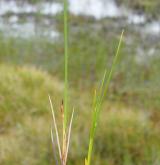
[(153, 28), (23, 7), (136, 19), (26, 30), (11, 25), (98, 9), (102, 9)]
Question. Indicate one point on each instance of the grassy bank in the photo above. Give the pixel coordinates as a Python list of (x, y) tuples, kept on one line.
[(125, 136)]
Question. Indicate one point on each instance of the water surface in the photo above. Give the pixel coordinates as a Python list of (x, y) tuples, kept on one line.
[(19, 19)]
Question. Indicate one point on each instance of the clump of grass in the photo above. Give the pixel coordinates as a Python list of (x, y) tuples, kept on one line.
[(129, 138), (97, 102), (19, 93), (98, 99), (63, 150)]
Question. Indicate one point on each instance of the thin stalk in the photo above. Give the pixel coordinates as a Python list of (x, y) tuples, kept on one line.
[(106, 86), (63, 152), (113, 66), (102, 84), (66, 78), (66, 61), (99, 100), (94, 98)]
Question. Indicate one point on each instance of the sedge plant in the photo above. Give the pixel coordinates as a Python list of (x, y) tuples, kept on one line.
[(63, 146)]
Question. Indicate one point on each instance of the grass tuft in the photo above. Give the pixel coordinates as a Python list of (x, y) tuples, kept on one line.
[(63, 150), (98, 99)]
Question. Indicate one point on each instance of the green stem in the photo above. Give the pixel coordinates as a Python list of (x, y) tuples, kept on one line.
[(66, 61), (99, 100)]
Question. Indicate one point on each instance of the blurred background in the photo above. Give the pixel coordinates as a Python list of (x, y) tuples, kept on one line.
[(32, 66)]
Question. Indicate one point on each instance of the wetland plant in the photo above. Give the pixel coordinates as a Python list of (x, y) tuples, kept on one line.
[(97, 102)]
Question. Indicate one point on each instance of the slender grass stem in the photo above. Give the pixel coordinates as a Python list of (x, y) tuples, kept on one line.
[(63, 152), (94, 98), (102, 84), (113, 66), (98, 101), (66, 61)]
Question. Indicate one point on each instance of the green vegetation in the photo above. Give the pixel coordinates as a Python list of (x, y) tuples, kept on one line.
[(85, 74), (22, 91), (129, 139), (24, 112), (66, 61), (97, 101), (62, 146), (123, 135), (31, 69)]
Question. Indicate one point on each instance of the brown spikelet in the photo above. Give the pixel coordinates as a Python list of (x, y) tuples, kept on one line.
[(66, 135), (62, 110)]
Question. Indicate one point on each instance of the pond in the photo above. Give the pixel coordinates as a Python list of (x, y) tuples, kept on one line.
[(26, 20)]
